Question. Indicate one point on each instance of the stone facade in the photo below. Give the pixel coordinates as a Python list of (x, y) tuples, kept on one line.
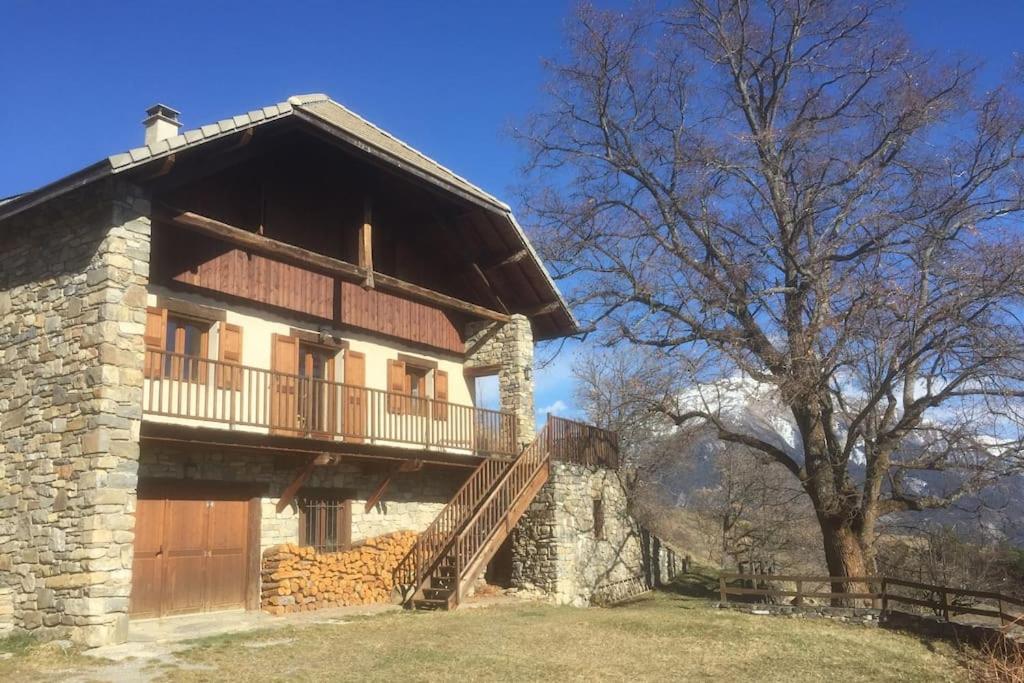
[(73, 276), (556, 547), (509, 348), (411, 502)]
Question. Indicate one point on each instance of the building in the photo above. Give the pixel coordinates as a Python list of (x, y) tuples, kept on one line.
[(271, 330)]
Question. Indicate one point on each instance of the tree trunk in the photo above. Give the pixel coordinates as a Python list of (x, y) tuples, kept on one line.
[(844, 555)]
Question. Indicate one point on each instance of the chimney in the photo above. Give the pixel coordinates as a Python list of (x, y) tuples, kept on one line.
[(161, 122)]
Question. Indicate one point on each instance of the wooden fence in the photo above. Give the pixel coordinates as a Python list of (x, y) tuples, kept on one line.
[(882, 591), (581, 444)]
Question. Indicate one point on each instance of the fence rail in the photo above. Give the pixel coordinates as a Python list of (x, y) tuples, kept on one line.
[(239, 396), (581, 443), (944, 601)]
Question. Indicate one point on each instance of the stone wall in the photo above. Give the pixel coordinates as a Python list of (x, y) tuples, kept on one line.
[(508, 347), (73, 275), (555, 547), (411, 502)]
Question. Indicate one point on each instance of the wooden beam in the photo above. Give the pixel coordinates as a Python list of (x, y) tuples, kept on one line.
[(378, 492), (507, 261), (246, 239), (478, 271), (293, 488), (457, 244), (366, 243), (544, 310), (305, 258), (443, 300), (482, 370)]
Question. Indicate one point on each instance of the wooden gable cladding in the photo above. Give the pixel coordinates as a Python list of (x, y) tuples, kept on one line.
[(257, 278), (190, 260), (372, 309)]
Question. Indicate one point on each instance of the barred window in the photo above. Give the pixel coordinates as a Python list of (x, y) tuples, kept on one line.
[(325, 522)]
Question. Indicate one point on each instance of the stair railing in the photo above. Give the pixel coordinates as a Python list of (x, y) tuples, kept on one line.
[(431, 544), (493, 512)]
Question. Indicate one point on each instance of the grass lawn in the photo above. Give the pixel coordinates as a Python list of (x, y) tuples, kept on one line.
[(660, 636)]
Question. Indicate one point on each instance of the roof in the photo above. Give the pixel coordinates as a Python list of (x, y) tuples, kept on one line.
[(319, 110)]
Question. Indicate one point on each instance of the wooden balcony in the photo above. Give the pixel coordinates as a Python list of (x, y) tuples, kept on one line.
[(200, 392)]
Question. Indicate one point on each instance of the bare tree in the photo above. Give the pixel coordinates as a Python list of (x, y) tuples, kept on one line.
[(786, 189)]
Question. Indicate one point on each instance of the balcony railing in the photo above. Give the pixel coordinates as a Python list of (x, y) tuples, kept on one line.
[(191, 389)]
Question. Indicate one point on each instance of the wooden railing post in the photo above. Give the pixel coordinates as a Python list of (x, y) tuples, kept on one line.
[(945, 602), (885, 595), (430, 422), (457, 549), (799, 599), (722, 591)]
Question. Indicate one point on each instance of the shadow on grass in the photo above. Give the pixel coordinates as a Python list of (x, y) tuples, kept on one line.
[(684, 588), (694, 584)]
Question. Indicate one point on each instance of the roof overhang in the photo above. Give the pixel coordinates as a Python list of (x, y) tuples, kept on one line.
[(327, 116)]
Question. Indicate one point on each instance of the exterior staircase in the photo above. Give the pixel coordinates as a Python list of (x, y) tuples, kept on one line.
[(455, 549)]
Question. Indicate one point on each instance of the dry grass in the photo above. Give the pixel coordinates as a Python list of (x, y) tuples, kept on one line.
[(22, 659), (661, 636), (999, 664)]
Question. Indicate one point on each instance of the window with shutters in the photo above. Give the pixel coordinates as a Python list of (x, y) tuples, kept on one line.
[(417, 388), (177, 347), (325, 520)]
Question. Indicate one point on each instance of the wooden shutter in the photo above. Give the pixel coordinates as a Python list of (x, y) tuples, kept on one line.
[(284, 361), (441, 395), (229, 352), (354, 415), (156, 340), (396, 385)]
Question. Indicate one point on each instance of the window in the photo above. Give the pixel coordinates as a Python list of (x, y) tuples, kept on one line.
[(325, 521), (176, 346), (186, 342), (599, 518), (416, 381), (419, 380)]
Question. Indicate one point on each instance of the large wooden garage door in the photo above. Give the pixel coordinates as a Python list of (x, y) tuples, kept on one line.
[(194, 549)]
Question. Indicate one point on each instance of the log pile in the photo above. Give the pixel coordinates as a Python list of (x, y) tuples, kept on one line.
[(298, 579)]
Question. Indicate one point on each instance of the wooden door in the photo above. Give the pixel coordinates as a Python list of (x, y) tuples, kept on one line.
[(284, 362), (184, 556), (226, 560), (355, 399), (317, 400), (192, 551), (147, 565)]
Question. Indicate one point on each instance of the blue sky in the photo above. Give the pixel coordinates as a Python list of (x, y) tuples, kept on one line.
[(448, 77)]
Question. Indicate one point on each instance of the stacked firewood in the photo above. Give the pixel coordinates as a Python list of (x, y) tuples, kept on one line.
[(298, 578)]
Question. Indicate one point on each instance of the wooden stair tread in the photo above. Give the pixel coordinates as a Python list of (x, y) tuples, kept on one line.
[(495, 512)]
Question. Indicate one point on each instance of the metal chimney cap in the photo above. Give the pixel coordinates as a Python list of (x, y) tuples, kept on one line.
[(162, 111)]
